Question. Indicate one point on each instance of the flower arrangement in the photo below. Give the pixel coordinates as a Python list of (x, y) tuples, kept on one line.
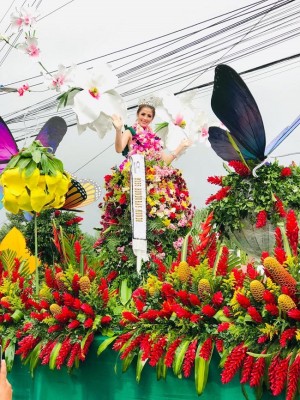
[(73, 304), (169, 215), (263, 334), (173, 320), (260, 199)]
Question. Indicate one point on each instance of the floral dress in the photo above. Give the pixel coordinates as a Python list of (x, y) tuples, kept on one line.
[(169, 211)]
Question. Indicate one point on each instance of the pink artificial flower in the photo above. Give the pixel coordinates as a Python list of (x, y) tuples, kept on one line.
[(23, 18), (62, 80), (30, 47), (179, 121), (23, 89)]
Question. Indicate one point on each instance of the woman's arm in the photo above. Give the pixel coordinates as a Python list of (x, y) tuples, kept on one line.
[(168, 158), (122, 138)]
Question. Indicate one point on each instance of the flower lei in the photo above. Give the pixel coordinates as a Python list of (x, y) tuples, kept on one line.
[(146, 142)]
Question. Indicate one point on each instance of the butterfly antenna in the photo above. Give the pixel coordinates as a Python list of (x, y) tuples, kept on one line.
[(285, 155)]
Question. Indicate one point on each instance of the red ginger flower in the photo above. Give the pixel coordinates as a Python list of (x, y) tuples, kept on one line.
[(251, 272), (220, 345), (194, 299), (87, 309), (287, 335), (151, 315), (133, 345), (247, 368), (77, 249), (295, 314), (63, 352), (170, 354), (215, 180), (280, 255), (208, 310), (223, 263), (254, 314), (129, 316), (206, 349), (233, 362), (279, 207), (146, 346), (261, 219), (292, 231), (264, 255), (189, 358), (272, 309), (243, 300), (106, 319), (280, 376), (239, 167), (293, 378), (121, 340), (224, 326), (285, 172), (269, 297), (257, 371), (76, 350), (180, 311), (157, 351), (46, 352), (74, 324), (217, 298), (221, 194)]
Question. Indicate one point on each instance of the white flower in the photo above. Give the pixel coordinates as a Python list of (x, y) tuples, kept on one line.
[(30, 47), (25, 17), (62, 80), (97, 100)]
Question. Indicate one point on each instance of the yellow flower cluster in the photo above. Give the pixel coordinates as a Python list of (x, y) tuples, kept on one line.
[(34, 193)]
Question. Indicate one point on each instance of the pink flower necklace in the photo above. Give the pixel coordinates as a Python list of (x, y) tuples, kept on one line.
[(145, 141)]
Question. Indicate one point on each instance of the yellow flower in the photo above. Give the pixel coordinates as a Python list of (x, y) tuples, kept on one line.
[(166, 222), (298, 334), (32, 181), (12, 180), (10, 201), (269, 330)]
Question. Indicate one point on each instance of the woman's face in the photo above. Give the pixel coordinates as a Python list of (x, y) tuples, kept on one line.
[(145, 116)]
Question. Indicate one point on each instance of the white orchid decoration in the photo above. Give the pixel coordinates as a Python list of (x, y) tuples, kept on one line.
[(181, 120), (23, 18)]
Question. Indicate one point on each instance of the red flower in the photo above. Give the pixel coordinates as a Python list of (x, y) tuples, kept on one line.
[(74, 324), (107, 178), (269, 297), (55, 328), (169, 358), (123, 199), (208, 310), (247, 368), (223, 263), (280, 255), (194, 299), (279, 207), (262, 339), (129, 316), (239, 167), (157, 351), (106, 319), (227, 312), (220, 345), (215, 180), (88, 323), (292, 231), (295, 314), (261, 219), (286, 171), (183, 296), (189, 358), (272, 309), (77, 249), (243, 300), (287, 335), (87, 309), (293, 378), (195, 318), (257, 371), (224, 326), (151, 315), (233, 362), (251, 271), (180, 311), (217, 298), (254, 314), (206, 349)]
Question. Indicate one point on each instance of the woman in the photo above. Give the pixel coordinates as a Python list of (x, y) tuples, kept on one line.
[(130, 139), (169, 211)]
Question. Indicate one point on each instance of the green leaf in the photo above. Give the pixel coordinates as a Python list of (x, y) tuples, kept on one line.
[(105, 344), (139, 366), (44, 164), (53, 355), (125, 292), (161, 369), (13, 161), (30, 168), (261, 355), (201, 371), (23, 162), (10, 356), (36, 156), (34, 357), (179, 356), (17, 315), (127, 361)]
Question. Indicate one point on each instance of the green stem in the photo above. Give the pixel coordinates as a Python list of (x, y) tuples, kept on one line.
[(37, 288), (44, 68)]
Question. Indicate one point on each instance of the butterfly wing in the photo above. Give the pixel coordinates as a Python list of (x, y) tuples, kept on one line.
[(52, 133), (234, 105), (81, 193), (8, 146), (282, 136), (220, 143)]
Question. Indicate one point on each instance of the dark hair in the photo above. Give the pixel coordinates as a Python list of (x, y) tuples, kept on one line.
[(141, 106)]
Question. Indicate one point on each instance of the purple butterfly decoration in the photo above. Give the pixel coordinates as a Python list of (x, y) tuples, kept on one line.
[(50, 136)]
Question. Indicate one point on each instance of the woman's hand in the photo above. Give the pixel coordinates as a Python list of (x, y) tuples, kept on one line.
[(5, 386), (117, 122), (184, 145)]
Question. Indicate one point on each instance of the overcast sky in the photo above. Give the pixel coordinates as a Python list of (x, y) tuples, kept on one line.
[(85, 29)]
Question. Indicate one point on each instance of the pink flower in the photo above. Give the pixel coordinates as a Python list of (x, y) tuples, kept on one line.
[(23, 89), (30, 47), (23, 18)]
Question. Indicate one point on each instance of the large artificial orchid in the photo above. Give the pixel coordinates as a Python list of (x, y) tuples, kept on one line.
[(94, 99), (180, 118), (23, 18)]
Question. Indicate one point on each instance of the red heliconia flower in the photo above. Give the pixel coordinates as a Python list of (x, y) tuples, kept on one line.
[(286, 171), (292, 231), (278, 237), (293, 378), (129, 316), (189, 358), (287, 335), (151, 315), (261, 219), (272, 309), (68, 299), (224, 326), (246, 369), (139, 304), (208, 310), (145, 346), (215, 180), (206, 349), (86, 346), (26, 345), (233, 362), (254, 314), (220, 345), (280, 255), (257, 371), (269, 297), (183, 296), (46, 352), (161, 268), (121, 340), (239, 277), (239, 167), (227, 312), (76, 350), (280, 375), (106, 319), (223, 263), (294, 313), (77, 250), (243, 300), (217, 298), (170, 354), (157, 350)]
